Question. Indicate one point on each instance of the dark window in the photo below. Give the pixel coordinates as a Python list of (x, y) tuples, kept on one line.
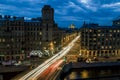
[(47, 27)]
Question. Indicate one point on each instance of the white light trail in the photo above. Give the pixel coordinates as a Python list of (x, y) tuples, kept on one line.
[(34, 74)]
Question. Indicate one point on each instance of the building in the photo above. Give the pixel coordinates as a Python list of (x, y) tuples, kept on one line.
[(116, 22), (18, 36), (100, 41), (11, 37)]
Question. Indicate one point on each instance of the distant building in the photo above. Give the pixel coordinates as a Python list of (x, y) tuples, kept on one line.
[(18, 37), (116, 22), (72, 26), (100, 41)]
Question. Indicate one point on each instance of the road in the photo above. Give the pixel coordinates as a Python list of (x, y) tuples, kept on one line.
[(34, 74), (46, 75)]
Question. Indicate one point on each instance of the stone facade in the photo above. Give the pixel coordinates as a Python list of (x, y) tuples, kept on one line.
[(100, 41), (18, 36)]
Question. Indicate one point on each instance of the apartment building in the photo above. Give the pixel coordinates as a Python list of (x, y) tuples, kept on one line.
[(18, 36), (100, 41)]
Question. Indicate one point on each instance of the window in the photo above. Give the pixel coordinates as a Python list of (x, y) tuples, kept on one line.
[(106, 47), (40, 33), (110, 30), (94, 38), (99, 30), (114, 30), (3, 40), (40, 43), (90, 30), (110, 47), (98, 34), (102, 34), (102, 47), (110, 34)]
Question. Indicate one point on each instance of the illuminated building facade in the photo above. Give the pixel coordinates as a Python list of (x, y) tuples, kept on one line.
[(18, 36), (100, 41)]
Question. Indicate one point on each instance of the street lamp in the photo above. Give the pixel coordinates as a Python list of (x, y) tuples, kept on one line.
[(51, 47)]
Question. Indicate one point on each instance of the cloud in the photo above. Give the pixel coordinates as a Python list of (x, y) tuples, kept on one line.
[(115, 7), (76, 7), (69, 6), (89, 4), (61, 11), (69, 18), (7, 7), (65, 10), (112, 5), (73, 5), (85, 1), (30, 1)]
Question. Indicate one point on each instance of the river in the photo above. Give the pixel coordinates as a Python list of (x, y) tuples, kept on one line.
[(104, 73)]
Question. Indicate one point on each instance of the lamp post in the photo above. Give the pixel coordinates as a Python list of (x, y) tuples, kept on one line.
[(51, 47)]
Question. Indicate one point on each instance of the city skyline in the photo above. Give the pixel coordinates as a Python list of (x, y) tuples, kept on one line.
[(66, 11)]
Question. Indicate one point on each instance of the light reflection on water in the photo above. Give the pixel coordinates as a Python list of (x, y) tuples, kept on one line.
[(74, 75), (92, 73), (84, 74)]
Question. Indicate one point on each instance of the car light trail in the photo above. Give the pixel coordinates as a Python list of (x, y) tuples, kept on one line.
[(34, 74)]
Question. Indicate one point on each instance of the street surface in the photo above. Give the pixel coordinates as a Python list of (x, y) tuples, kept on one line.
[(34, 74), (46, 75)]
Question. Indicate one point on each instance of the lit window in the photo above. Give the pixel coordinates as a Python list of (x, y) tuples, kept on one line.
[(98, 34), (118, 30), (110, 34), (114, 30), (106, 47), (12, 39), (90, 30), (44, 47), (98, 43), (110, 47), (102, 34), (40, 33), (54, 42), (110, 30), (3, 40), (40, 43), (8, 45), (94, 38), (94, 35), (102, 47), (118, 23), (99, 30)]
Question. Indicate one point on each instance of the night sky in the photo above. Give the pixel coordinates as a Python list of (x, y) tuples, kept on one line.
[(66, 11)]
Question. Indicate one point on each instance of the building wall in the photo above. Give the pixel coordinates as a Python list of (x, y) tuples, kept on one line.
[(18, 37), (12, 36), (99, 40)]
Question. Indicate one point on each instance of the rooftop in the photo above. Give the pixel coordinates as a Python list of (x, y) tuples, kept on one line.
[(94, 25)]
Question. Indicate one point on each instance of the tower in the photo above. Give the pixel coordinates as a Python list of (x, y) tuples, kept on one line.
[(47, 14)]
